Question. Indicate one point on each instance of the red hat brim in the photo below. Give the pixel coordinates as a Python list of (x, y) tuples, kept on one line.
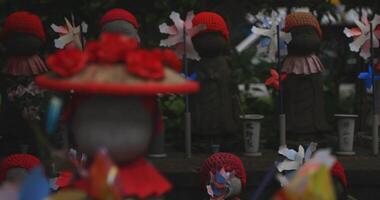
[(49, 81)]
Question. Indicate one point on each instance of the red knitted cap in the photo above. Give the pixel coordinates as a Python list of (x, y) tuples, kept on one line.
[(302, 19), (213, 22), (25, 161), (23, 22), (337, 170), (228, 161), (119, 14)]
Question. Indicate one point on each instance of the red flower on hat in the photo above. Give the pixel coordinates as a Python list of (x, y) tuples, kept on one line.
[(145, 64), (91, 49), (273, 80), (169, 58), (68, 62), (112, 47)]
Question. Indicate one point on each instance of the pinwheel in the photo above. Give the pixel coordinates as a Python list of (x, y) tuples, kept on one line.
[(273, 80), (69, 34), (268, 44), (313, 180), (218, 184), (180, 38), (366, 38), (180, 35), (368, 78), (295, 160), (362, 35), (35, 185)]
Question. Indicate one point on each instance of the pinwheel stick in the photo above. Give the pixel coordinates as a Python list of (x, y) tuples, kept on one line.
[(282, 117), (187, 111), (375, 130)]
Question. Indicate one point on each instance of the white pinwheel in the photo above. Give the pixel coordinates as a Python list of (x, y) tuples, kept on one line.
[(362, 35), (176, 37), (69, 34), (269, 31), (295, 160)]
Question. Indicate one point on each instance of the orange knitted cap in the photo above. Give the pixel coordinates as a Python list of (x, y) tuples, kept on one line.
[(228, 161), (23, 22), (297, 19), (213, 22)]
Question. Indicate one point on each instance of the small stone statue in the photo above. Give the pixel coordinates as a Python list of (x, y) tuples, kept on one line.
[(117, 82), (303, 87), (120, 21), (223, 176), (22, 101), (214, 109)]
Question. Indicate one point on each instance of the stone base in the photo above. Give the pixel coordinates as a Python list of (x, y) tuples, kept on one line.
[(343, 153), (162, 155), (253, 154)]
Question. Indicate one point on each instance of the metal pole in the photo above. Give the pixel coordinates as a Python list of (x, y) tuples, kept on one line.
[(282, 116), (375, 130), (187, 111)]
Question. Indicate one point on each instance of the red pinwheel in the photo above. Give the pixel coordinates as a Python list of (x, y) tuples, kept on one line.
[(273, 80)]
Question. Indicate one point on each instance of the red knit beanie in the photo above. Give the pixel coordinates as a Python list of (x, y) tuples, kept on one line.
[(227, 161), (213, 22), (337, 170), (25, 161), (119, 14), (23, 22), (297, 19)]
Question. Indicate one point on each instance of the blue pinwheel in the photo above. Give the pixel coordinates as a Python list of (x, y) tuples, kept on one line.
[(35, 185), (368, 78)]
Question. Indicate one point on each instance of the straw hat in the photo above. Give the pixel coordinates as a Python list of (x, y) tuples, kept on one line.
[(115, 65)]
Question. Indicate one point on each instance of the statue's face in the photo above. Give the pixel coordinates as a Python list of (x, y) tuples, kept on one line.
[(210, 44), (305, 41), (22, 44), (122, 27), (16, 175), (122, 125)]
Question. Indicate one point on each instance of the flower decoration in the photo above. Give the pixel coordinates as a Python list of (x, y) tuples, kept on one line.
[(368, 78), (114, 48), (273, 80), (362, 35), (145, 64), (218, 187), (169, 58), (177, 39), (68, 62), (70, 35), (268, 44)]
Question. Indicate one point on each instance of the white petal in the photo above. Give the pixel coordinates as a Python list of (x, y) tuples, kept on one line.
[(358, 43), (189, 20), (171, 40), (310, 150), (287, 165), (243, 45), (165, 28), (288, 153), (61, 42), (84, 27)]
